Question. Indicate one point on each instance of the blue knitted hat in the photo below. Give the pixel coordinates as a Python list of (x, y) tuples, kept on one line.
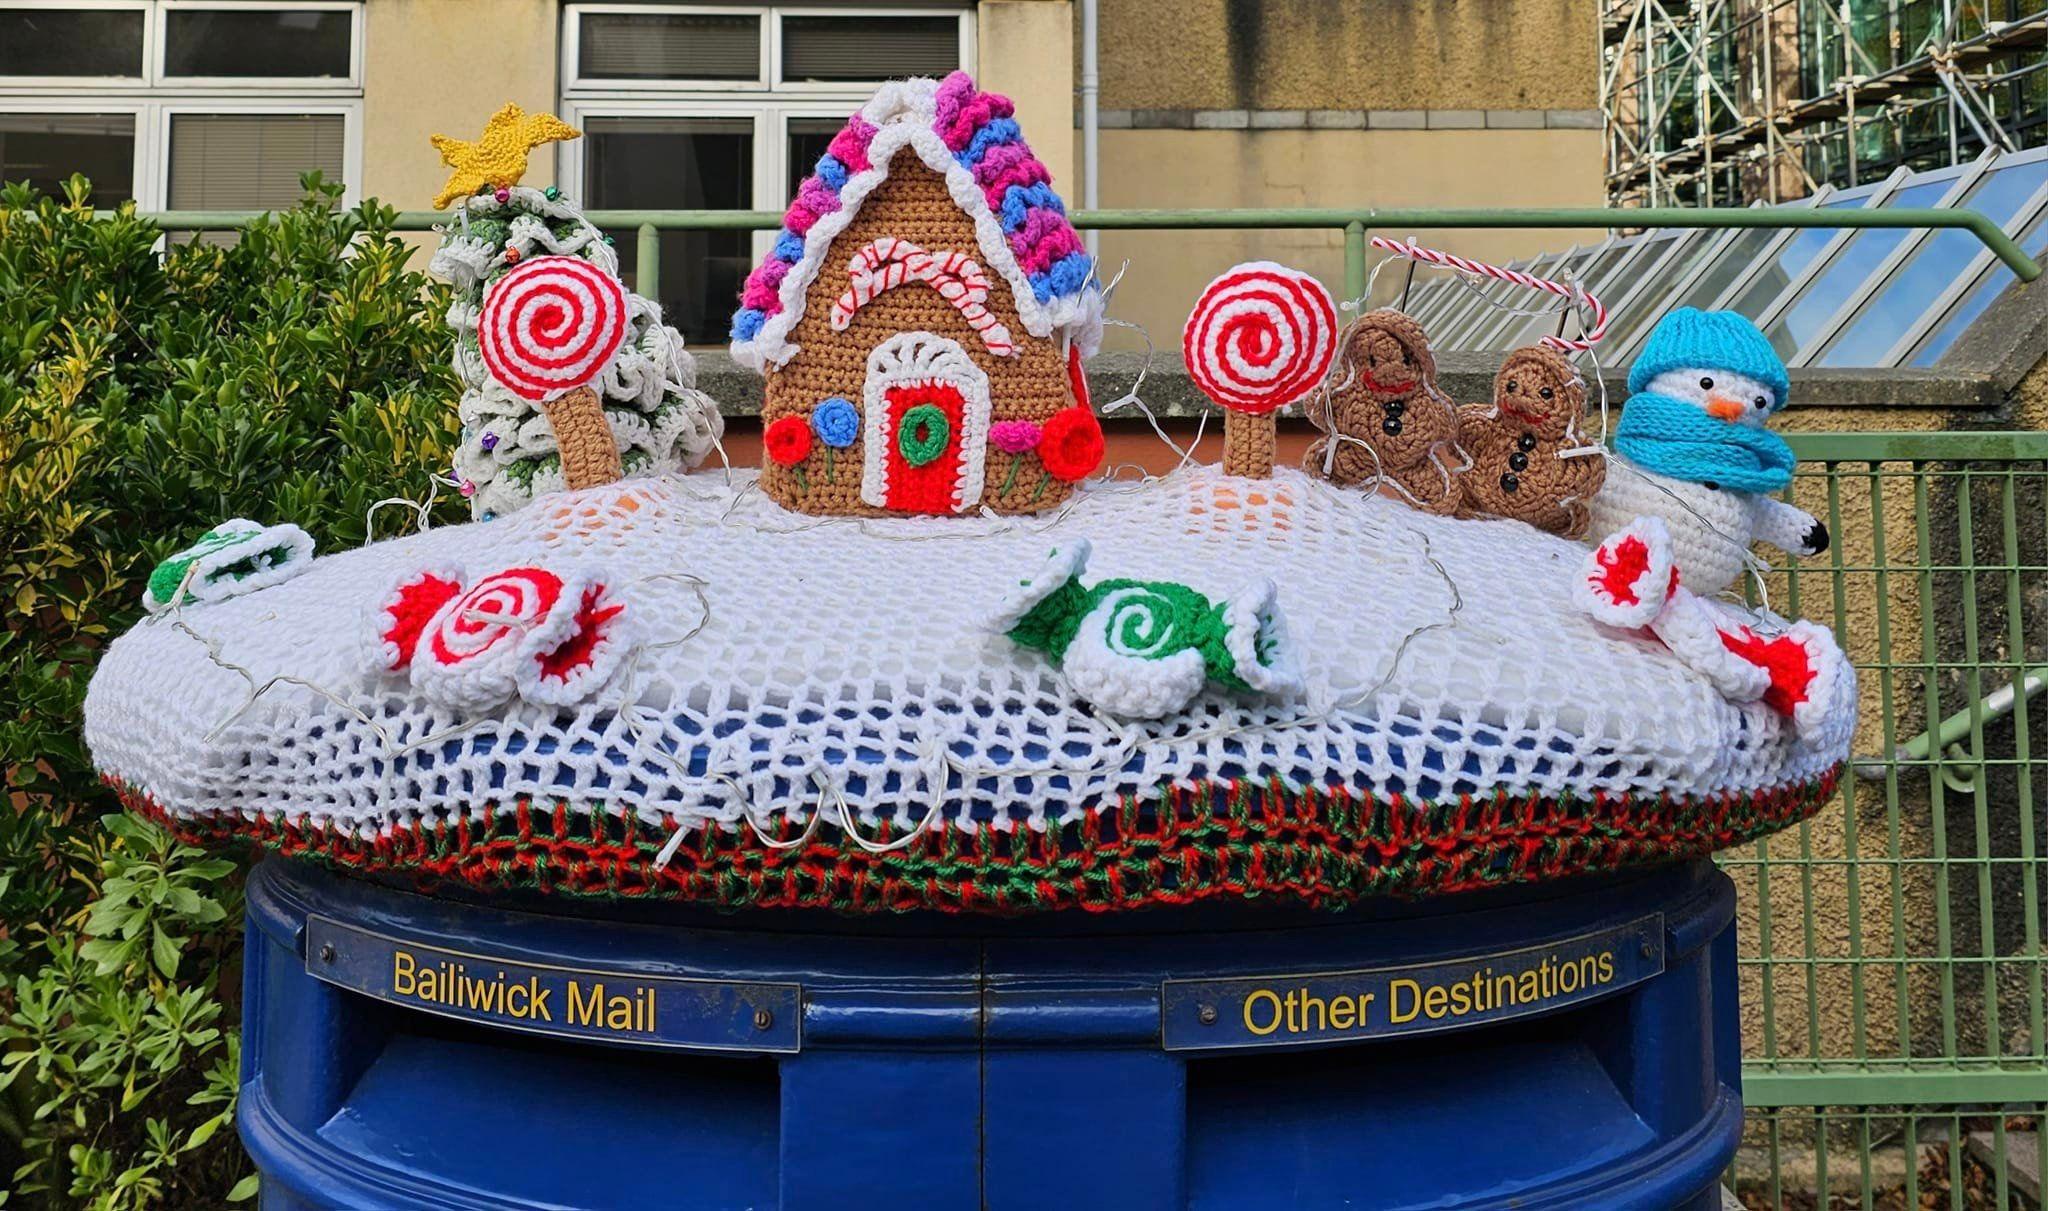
[(1689, 338)]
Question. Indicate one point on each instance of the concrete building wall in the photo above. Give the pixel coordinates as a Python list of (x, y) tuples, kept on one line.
[(1349, 54), (1250, 104), (433, 67), (1021, 48), (1320, 168)]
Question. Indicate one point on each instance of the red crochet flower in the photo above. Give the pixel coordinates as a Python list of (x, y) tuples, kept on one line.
[(1072, 444), (788, 440)]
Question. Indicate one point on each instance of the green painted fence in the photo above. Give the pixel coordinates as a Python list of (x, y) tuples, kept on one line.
[(1355, 224), (1892, 960)]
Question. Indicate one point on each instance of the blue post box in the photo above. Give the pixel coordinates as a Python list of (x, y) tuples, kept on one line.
[(1571, 1045)]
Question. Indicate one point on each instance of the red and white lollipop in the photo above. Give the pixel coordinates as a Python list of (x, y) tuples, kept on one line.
[(551, 325), (1260, 337), (548, 328)]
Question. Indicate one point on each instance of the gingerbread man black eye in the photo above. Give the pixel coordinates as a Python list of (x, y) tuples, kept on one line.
[(1706, 384), (1546, 393), (1513, 387)]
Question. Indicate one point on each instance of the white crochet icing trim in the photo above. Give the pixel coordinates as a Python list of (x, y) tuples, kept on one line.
[(778, 650), (884, 264), (903, 111), (916, 359)]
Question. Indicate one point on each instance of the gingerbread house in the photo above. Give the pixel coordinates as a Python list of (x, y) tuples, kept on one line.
[(922, 319)]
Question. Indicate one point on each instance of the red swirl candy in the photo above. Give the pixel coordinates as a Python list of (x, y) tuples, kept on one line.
[(1260, 337), (551, 325)]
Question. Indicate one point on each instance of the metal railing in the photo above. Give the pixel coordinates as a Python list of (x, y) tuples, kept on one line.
[(1891, 947), (1354, 224)]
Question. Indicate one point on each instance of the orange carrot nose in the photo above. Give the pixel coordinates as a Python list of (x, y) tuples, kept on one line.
[(1722, 408)]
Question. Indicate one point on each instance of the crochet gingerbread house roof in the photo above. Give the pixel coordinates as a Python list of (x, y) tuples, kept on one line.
[(970, 138)]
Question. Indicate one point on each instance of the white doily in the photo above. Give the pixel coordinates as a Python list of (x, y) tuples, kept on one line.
[(846, 659)]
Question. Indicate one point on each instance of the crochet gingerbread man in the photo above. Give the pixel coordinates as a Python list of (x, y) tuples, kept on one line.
[(1385, 424), (1517, 445)]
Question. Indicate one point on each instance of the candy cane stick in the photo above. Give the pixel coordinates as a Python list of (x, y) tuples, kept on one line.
[(1451, 260), (884, 264)]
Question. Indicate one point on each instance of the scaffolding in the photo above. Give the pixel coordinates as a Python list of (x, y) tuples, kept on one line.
[(1728, 102)]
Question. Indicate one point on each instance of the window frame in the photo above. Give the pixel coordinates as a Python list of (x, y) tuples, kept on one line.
[(153, 102), (155, 38), (1503, 321), (1958, 287), (1966, 182), (350, 113), (767, 101), (777, 14), (1625, 353), (768, 75), (143, 170), (11, 85), (1960, 177), (1467, 320), (162, 82), (1633, 248), (1873, 196), (575, 84)]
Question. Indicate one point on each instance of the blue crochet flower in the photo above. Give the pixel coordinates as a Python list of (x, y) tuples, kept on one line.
[(836, 422)]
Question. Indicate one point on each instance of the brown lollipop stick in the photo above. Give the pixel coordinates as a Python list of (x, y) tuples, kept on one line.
[(590, 458), (1248, 440)]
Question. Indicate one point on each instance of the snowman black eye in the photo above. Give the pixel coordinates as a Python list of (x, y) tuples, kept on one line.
[(1762, 402), (1706, 384)]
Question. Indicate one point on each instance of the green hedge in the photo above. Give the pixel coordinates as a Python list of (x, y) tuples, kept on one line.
[(148, 391)]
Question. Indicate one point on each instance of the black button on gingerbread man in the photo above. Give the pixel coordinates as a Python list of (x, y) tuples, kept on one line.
[(1515, 444)]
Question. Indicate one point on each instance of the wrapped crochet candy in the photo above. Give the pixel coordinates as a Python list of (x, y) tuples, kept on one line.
[(235, 557), (1144, 648)]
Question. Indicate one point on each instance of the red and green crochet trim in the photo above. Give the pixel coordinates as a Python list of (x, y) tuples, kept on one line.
[(1184, 844)]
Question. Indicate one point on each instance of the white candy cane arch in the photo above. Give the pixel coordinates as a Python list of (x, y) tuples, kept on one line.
[(889, 262), (1595, 330)]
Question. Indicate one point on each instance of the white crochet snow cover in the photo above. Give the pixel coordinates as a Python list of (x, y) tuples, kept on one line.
[(845, 658)]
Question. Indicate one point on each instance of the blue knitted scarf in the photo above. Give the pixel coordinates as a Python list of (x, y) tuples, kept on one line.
[(1673, 438)]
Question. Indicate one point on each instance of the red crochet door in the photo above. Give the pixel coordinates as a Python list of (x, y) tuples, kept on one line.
[(924, 454)]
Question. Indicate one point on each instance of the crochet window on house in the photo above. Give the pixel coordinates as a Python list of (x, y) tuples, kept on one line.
[(725, 107)]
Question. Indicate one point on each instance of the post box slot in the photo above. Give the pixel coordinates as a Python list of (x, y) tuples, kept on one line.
[(541, 1121), (1385, 1123)]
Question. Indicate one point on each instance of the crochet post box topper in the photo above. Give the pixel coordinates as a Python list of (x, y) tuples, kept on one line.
[(922, 319), (1686, 496)]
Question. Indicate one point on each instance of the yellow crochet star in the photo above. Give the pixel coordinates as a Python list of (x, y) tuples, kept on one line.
[(498, 157)]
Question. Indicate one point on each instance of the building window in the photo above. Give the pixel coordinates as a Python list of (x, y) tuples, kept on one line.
[(181, 104), (725, 107)]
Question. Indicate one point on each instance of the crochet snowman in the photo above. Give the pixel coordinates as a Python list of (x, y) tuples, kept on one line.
[(1684, 500)]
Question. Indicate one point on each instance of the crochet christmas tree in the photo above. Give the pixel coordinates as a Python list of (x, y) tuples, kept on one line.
[(508, 452)]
